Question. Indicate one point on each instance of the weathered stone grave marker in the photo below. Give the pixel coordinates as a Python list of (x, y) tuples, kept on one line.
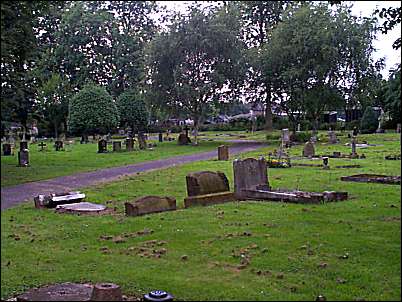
[(160, 137), (373, 178), (23, 145), (58, 145), (223, 152), (54, 199), (41, 145), (332, 137), (81, 208), (353, 144), (129, 144), (309, 150), (23, 158), (102, 146), (285, 138), (6, 149), (142, 141), (150, 204), (117, 146), (206, 188)]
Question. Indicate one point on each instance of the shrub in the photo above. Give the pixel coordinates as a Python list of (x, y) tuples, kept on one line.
[(369, 122), (92, 110), (301, 137)]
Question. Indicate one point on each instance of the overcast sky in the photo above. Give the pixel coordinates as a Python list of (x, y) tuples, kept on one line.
[(383, 44)]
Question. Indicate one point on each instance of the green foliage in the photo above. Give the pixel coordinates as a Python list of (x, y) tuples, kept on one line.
[(392, 16), (92, 110), (393, 96), (369, 121), (133, 111), (301, 137)]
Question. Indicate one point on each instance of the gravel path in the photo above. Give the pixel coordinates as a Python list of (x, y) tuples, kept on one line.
[(14, 195)]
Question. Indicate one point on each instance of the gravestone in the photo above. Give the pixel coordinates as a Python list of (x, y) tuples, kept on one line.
[(55, 199), (150, 204), (355, 132), (81, 208), (23, 145), (308, 150), (102, 146), (285, 138), (6, 149), (84, 139), (207, 187), (23, 158), (325, 161), (117, 146), (398, 128), (250, 174), (129, 144), (160, 137), (353, 144), (58, 145), (332, 137), (141, 141), (42, 145), (183, 139), (223, 152)]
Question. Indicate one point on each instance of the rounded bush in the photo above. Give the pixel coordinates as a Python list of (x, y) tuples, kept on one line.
[(133, 110)]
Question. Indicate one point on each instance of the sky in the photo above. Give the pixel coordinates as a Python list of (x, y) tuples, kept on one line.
[(383, 44)]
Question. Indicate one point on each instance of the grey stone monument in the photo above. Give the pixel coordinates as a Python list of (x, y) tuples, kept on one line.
[(117, 146), (23, 158)]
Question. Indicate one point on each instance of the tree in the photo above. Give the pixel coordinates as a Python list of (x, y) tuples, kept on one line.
[(393, 95), (92, 110), (195, 60), (392, 16), (132, 110), (369, 121), (317, 53)]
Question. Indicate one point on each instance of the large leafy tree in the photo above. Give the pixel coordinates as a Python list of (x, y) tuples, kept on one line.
[(191, 63), (318, 54), (393, 95), (92, 110), (133, 111)]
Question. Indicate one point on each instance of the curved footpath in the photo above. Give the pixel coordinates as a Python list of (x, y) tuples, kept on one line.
[(13, 195)]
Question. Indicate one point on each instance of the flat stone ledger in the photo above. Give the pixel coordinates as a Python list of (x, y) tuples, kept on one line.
[(6, 149), (23, 145), (102, 146), (58, 145), (249, 174), (59, 292), (81, 208), (223, 152), (309, 150), (206, 188), (117, 146), (373, 178), (183, 139), (129, 144), (55, 199), (150, 204), (23, 158)]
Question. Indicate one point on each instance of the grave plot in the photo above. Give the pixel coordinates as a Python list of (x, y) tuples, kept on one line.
[(251, 182), (373, 178), (83, 208), (55, 199)]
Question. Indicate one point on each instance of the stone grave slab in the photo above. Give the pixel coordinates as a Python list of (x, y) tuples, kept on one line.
[(59, 292), (223, 152), (81, 208), (55, 199), (23, 158), (373, 178), (308, 150), (206, 188), (150, 204)]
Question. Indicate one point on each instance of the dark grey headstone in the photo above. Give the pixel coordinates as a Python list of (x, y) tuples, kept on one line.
[(6, 149), (23, 158)]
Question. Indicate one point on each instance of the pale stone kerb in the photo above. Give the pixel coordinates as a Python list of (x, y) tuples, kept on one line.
[(249, 173)]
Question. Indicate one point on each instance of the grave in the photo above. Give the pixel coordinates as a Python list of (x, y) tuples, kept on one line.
[(73, 292), (332, 137), (23, 158), (117, 146), (206, 188), (150, 204), (141, 141), (325, 161), (58, 145), (353, 144), (81, 208), (23, 145), (55, 199), (285, 138), (183, 139), (223, 152), (102, 146), (42, 145), (251, 182), (398, 128), (373, 178), (6, 149), (308, 150), (129, 144)]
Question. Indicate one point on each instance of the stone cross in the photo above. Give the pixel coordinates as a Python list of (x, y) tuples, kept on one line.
[(41, 145)]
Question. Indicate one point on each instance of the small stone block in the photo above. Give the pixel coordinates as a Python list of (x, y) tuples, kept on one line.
[(150, 204), (106, 292)]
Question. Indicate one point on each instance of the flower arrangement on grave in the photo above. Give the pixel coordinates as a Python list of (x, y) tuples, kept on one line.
[(278, 162)]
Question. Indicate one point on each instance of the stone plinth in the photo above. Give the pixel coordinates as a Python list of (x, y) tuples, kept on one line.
[(117, 146), (150, 204), (106, 292), (223, 152), (209, 199)]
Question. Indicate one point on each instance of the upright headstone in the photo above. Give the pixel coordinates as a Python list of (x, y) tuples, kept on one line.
[(183, 139), (117, 146), (6, 149), (308, 150), (223, 152), (250, 173), (23, 145), (129, 144), (298, 128), (353, 144), (325, 161), (285, 138), (102, 146), (332, 137), (398, 128), (84, 139), (141, 141), (58, 145), (160, 137), (355, 132), (23, 158)]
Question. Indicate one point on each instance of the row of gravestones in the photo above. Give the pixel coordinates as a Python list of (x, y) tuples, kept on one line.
[(309, 150)]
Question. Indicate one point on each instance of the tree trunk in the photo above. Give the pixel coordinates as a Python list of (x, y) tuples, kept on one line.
[(196, 131), (268, 109), (56, 133)]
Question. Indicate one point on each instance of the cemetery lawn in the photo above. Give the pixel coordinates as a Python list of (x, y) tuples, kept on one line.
[(84, 158), (346, 250)]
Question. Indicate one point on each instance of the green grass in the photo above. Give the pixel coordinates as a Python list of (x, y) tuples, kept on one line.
[(291, 240), (83, 158)]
